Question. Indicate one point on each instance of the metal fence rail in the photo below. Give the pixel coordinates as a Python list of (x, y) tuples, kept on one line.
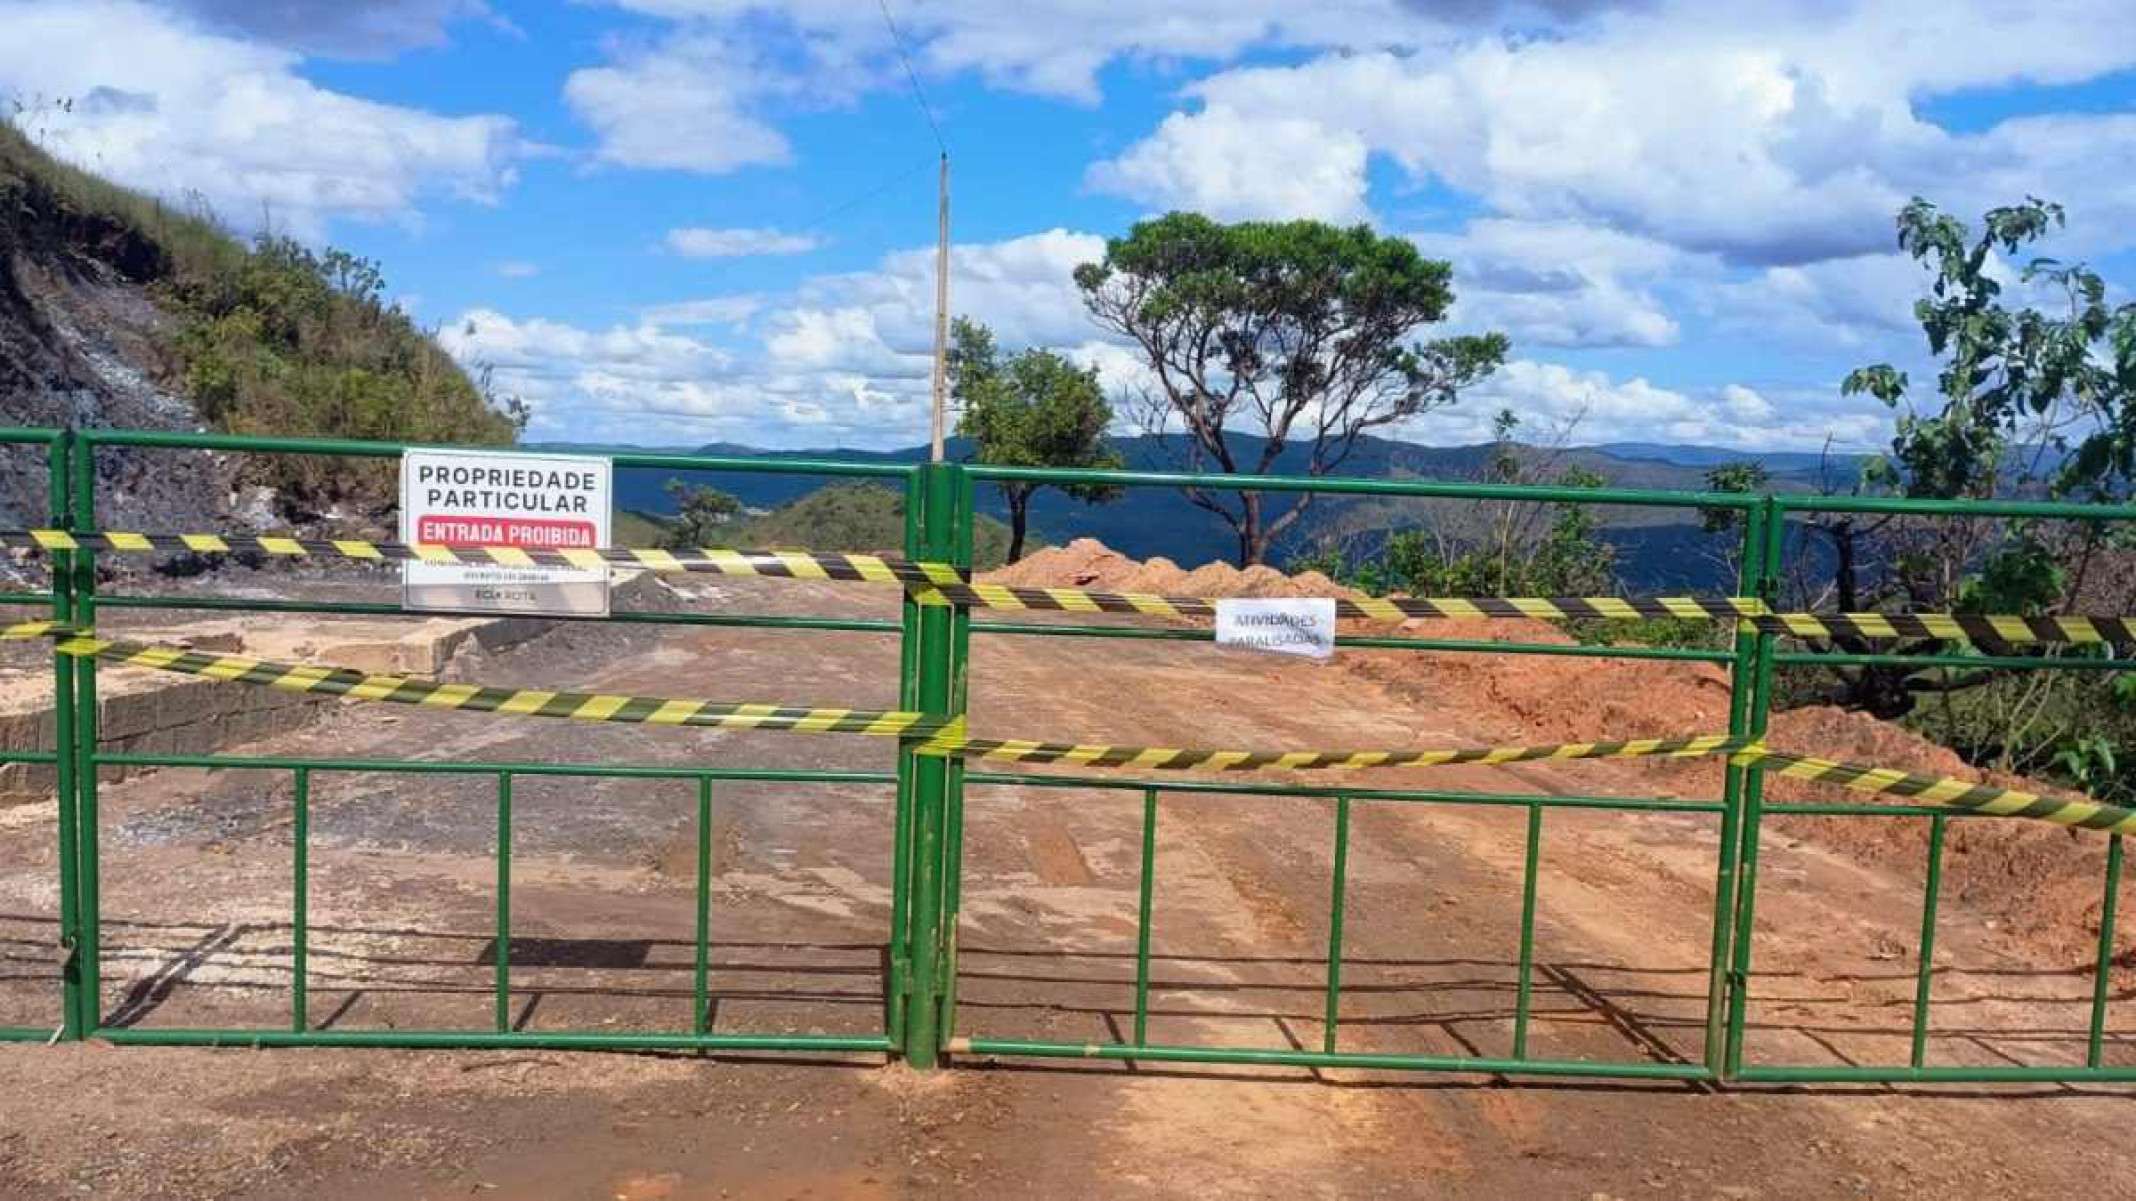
[(920, 1019)]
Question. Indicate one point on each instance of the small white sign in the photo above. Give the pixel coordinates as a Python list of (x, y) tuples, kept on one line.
[(1283, 626), (501, 498)]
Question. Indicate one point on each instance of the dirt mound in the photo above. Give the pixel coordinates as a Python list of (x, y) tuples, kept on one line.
[(1533, 698), (2041, 881), (1089, 563)]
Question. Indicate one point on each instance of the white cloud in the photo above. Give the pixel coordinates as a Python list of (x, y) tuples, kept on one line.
[(1560, 283), (180, 112), (1057, 47), (683, 106), (698, 242), (593, 383), (1768, 136), (1051, 47), (1232, 168), (1594, 408), (845, 359), (529, 347), (518, 269), (1021, 287), (709, 310), (1843, 303), (687, 99)]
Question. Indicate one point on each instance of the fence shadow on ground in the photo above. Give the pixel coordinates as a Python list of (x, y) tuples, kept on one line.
[(1464, 1004)]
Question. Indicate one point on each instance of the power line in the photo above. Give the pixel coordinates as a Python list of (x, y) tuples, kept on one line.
[(919, 96), (849, 205)]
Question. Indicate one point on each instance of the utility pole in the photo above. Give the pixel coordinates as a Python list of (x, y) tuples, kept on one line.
[(941, 341)]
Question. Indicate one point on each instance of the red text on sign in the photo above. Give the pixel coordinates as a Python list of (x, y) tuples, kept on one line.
[(533, 532)]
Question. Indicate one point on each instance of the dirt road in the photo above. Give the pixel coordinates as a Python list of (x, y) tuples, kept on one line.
[(197, 893)]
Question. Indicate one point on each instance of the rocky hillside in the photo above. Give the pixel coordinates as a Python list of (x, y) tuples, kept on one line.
[(118, 312), (82, 341)]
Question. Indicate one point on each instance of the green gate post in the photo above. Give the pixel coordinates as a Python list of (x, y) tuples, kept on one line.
[(87, 957), (934, 780), (60, 453), (898, 988), (1742, 685), (1753, 795), (960, 646)]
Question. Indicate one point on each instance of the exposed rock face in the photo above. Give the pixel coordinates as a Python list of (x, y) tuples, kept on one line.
[(83, 343)]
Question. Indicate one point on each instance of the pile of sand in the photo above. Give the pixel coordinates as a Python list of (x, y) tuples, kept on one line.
[(2035, 877), (1089, 563)]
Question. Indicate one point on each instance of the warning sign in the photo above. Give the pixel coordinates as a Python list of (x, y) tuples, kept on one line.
[(490, 498), (1283, 626)]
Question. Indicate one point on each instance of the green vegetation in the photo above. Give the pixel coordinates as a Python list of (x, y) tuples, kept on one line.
[(703, 516), (1297, 328), (190, 242), (296, 342), (274, 337), (1034, 409), (837, 517), (634, 528), (1505, 548), (2012, 379), (1489, 548), (2027, 401)]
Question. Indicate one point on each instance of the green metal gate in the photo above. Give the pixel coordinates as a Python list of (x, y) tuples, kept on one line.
[(1739, 806), (920, 1020), (77, 758)]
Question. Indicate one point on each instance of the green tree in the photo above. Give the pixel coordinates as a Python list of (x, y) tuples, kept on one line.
[(2027, 399), (1297, 330), (2012, 381), (1033, 409), (701, 514), (1740, 475)]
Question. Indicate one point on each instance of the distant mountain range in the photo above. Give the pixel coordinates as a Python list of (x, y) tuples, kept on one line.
[(1658, 548)]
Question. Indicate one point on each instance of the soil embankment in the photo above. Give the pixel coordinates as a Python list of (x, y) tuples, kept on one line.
[(2032, 876)]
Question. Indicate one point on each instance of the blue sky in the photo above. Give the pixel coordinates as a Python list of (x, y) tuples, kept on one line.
[(675, 221)]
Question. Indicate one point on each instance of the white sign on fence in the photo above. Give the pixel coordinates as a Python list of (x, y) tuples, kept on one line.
[(1284, 626), (501, 498)]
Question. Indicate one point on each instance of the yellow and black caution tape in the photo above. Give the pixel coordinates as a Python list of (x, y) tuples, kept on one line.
[(1179, 759), (948, 738), (1945, 790), (798, 565), (533, 702), (1989, 628), (1392, 608), (943, 583), (1970, 627)]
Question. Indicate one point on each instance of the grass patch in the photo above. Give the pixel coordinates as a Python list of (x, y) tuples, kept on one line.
[(271, 337)]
